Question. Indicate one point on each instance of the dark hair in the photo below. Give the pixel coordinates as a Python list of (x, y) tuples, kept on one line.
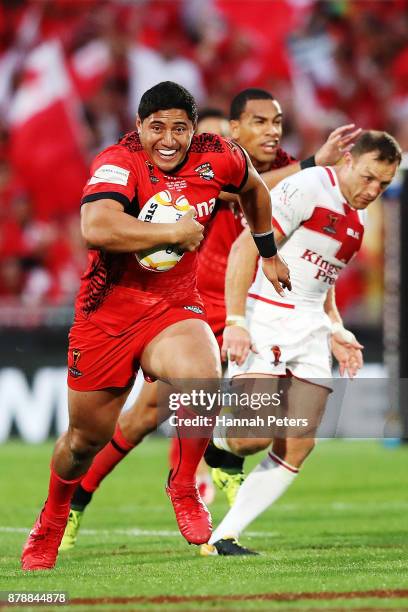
[(372, 140), (167, 95), (239, 102), (206, 112)]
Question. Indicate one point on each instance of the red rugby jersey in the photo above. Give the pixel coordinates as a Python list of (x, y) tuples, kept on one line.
[(115, 290), (224, 230)]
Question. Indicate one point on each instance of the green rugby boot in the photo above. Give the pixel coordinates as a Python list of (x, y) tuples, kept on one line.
[(71, 530), (227, 483)]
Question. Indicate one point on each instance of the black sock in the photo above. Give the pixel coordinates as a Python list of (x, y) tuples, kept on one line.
[(80, 498), (218, 458)]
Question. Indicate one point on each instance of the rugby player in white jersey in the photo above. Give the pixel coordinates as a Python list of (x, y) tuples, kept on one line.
[(319, 218)]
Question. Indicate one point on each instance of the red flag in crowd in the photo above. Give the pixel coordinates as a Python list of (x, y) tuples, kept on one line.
[(45, 133), (89, 67)]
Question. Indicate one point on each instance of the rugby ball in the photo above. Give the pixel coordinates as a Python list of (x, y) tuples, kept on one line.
[(162, 208)]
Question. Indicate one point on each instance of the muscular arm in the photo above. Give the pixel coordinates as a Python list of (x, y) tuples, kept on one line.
[(344, 344), (240, 272), (239, 275), (105, 225), (330, 307), (257, 207), (256, 202)]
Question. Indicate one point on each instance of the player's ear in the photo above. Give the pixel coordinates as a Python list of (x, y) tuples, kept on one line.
[(234, 127), (138, 124), (348, 159)]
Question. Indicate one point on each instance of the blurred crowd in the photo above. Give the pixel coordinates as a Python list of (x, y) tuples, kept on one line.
[(72, 73)]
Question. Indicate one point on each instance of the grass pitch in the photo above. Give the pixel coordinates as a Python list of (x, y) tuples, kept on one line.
[(337, 540)]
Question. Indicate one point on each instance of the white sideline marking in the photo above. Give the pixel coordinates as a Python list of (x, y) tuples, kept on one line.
[(134, 532), (338, 506)]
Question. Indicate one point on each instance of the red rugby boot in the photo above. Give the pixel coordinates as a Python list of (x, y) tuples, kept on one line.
[(193, 518), (41, 548)]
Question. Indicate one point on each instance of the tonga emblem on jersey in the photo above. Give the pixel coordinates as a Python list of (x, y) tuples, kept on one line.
[(205, 171)]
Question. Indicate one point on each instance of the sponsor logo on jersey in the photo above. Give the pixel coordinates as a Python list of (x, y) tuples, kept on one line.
[(277, 355), (150, 167), (108, 173), (73, 370), (152, 208), (205, 171), (327, 272), (205, 208), (195, 309), (353, 233), (330, 229)]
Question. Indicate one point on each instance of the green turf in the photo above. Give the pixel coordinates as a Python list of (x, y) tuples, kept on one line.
[(342, 527)]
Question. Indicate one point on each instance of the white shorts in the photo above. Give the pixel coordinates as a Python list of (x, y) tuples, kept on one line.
[(287, 339)]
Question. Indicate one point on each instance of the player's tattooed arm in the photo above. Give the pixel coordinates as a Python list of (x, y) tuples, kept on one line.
[(345, 347), (105, 225)]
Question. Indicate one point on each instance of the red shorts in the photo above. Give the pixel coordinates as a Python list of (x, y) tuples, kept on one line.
[(98, 360), (216, 317)]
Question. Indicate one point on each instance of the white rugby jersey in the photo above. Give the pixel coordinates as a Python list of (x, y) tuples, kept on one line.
[(323, 233)]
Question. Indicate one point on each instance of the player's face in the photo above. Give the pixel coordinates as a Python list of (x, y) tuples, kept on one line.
[(366, 178), (166, 136), (213, 125), (259, 130)]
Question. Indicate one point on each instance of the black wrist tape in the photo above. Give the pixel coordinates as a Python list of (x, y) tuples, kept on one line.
[(265, 243), (309, 162)]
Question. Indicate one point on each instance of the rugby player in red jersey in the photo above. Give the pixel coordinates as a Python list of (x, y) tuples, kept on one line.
[(126, 316), (256, 123)]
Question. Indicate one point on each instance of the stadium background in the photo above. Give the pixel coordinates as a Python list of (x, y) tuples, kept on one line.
[(71, 75)]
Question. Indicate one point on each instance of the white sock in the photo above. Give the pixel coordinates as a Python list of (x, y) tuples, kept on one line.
[(220, 441), (262, 487), (220, 437)]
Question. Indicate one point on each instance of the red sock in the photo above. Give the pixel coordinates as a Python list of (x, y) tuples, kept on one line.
[(174, 452), (60, 491), (105, 460), (190, 449)]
